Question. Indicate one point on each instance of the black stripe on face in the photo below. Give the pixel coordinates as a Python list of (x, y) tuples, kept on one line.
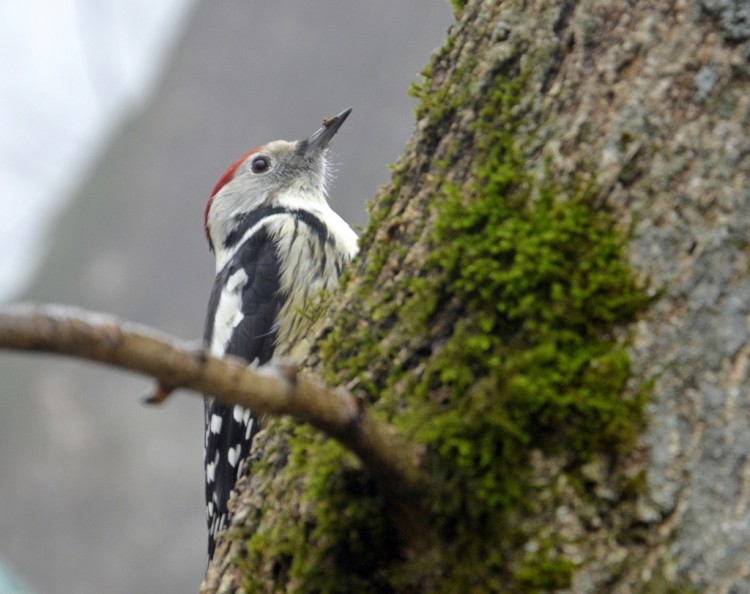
[(314, 223), (247, 220)]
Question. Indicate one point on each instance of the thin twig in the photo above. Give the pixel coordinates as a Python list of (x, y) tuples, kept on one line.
[(275, 389)]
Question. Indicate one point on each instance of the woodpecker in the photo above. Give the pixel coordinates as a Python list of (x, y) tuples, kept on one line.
[(277, 244)]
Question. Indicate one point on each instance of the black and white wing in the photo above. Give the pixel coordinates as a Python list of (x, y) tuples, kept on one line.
[(242, 313)]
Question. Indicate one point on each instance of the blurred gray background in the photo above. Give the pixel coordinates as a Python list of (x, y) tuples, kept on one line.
[(99, 493)]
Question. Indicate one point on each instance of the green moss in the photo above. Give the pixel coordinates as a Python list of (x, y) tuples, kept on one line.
[(458, 6), (338, 532), (437, 102), (510, 337), (542, 282), (543, 573), (531, 281)]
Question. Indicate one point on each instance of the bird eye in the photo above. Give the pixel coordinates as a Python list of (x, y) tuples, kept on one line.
[(260, 164)]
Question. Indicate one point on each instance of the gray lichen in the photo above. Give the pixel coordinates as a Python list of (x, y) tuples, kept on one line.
[(733, 17)]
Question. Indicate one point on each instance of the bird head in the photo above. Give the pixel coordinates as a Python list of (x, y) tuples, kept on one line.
[(280, 173)]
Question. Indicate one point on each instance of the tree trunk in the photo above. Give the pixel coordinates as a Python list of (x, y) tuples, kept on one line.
[(553, 301)]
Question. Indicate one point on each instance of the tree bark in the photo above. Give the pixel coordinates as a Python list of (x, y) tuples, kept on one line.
[(552, 307), (641, 111)]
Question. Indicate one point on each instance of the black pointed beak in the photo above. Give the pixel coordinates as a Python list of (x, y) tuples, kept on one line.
[(320, 139)]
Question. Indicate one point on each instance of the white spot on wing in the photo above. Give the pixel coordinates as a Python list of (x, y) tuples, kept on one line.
[(249, 429), (228, 312), (216, 423), (233, 455), (237, 413), (211, 469)]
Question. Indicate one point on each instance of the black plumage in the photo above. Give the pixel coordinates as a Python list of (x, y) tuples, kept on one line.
[(253, 339)]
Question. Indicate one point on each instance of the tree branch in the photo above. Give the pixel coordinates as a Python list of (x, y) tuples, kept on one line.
[(274, 389)]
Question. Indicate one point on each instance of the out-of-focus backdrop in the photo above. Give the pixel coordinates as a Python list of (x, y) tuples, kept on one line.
[(116, 119)]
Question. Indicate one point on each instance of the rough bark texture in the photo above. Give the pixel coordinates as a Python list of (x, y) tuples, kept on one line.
[(547, 132)]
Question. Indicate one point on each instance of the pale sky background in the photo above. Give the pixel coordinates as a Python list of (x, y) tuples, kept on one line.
[(73, 68)]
